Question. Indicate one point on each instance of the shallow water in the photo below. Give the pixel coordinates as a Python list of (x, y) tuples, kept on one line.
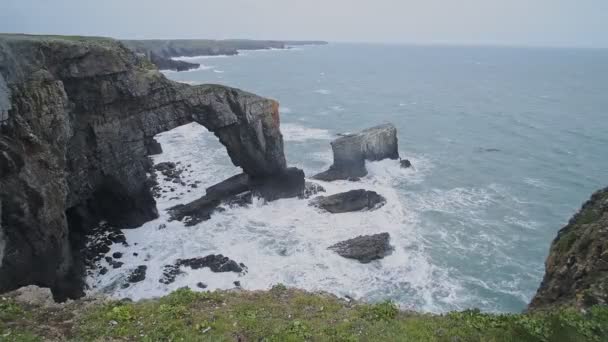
[(506, 144)]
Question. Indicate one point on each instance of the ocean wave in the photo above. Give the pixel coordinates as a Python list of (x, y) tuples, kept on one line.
[(322, 91), (284, 241), (295, 132), (202, 67), (285, 110)]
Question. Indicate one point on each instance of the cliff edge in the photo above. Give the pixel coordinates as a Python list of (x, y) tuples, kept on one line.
[(577, 267), (76, 115)]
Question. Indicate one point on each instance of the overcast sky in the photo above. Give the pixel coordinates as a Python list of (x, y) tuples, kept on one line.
[(510, 22)]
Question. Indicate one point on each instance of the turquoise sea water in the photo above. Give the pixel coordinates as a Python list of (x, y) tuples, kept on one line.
[(506, 144)]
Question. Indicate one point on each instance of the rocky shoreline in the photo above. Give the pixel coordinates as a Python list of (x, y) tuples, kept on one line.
[(78, 118), (160, 52)]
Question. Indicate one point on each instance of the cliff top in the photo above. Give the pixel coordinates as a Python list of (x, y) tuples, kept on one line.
[(280, 314)]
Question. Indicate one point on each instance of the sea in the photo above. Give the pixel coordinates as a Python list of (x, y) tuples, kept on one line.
[(506, 144)]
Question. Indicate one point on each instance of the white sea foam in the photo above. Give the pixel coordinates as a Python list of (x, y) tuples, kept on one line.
[(285, 110), (202, 67), (295, 132), (195, 58), (323, 91), (217, 71), (284, 241)]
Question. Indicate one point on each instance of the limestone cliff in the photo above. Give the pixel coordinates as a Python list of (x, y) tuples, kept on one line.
[(577, 266), (75, 117)]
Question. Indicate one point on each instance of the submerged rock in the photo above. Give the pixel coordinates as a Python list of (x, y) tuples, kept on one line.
[(139, 274), (354, 200), (216, 263), (405, 163), (352, 150), (311, 189), (239, 190), (364, 248), (153, 147)]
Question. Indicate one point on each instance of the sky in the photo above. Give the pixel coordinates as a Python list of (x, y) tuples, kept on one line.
[(580, 23)]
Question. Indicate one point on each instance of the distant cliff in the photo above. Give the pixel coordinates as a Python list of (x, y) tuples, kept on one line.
[(577, 266), (76, 115), (160, 51)]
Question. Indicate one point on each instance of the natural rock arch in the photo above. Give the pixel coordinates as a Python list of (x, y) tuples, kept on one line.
[(73, 147)]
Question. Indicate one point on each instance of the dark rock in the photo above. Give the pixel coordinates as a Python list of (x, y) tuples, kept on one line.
[(229, 187), (238, 190), (117, 264), (353, 200), (576, 270), (125, 286), (170, 272), (237, 283), (117, 255), (194, 212), (364, 248), (285, 185), (103, 270), (153, 147), (353, 179), (311, 189), (201, 285), (352, 150), (405, 163), (169, 64), (162, 226), (139, 274), (75, 116), (217, 263), (135, 254), (109, 260)]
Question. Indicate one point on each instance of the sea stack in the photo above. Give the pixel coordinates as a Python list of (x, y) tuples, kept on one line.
[(350, 152)]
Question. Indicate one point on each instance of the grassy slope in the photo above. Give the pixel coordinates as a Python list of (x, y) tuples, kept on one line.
[(283, 315)]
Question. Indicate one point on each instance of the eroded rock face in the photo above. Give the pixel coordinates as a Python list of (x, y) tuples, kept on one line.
[(352, 150), (354, 200), (73, 146), (365, 248), (239, 190), (577, 266)]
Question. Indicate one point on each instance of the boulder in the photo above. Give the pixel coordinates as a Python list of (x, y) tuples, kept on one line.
[(153, 147), (216, 263), (405, 163), (352, 150), (239, 190), (138, 274), (229, 187), (286, 185), (364, 248), (354, 200)]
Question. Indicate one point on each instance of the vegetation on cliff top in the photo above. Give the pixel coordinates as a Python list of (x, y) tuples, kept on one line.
[(283, 314)]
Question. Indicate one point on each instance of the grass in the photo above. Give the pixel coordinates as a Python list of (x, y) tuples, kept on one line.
[(283, 314)]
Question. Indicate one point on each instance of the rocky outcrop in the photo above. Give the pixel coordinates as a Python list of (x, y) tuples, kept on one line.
[(163, 63), (354, 200), (239, 190), (577, 267), (215, 262), (365, 248), (73, 149), (167, 48), (352, 150)]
